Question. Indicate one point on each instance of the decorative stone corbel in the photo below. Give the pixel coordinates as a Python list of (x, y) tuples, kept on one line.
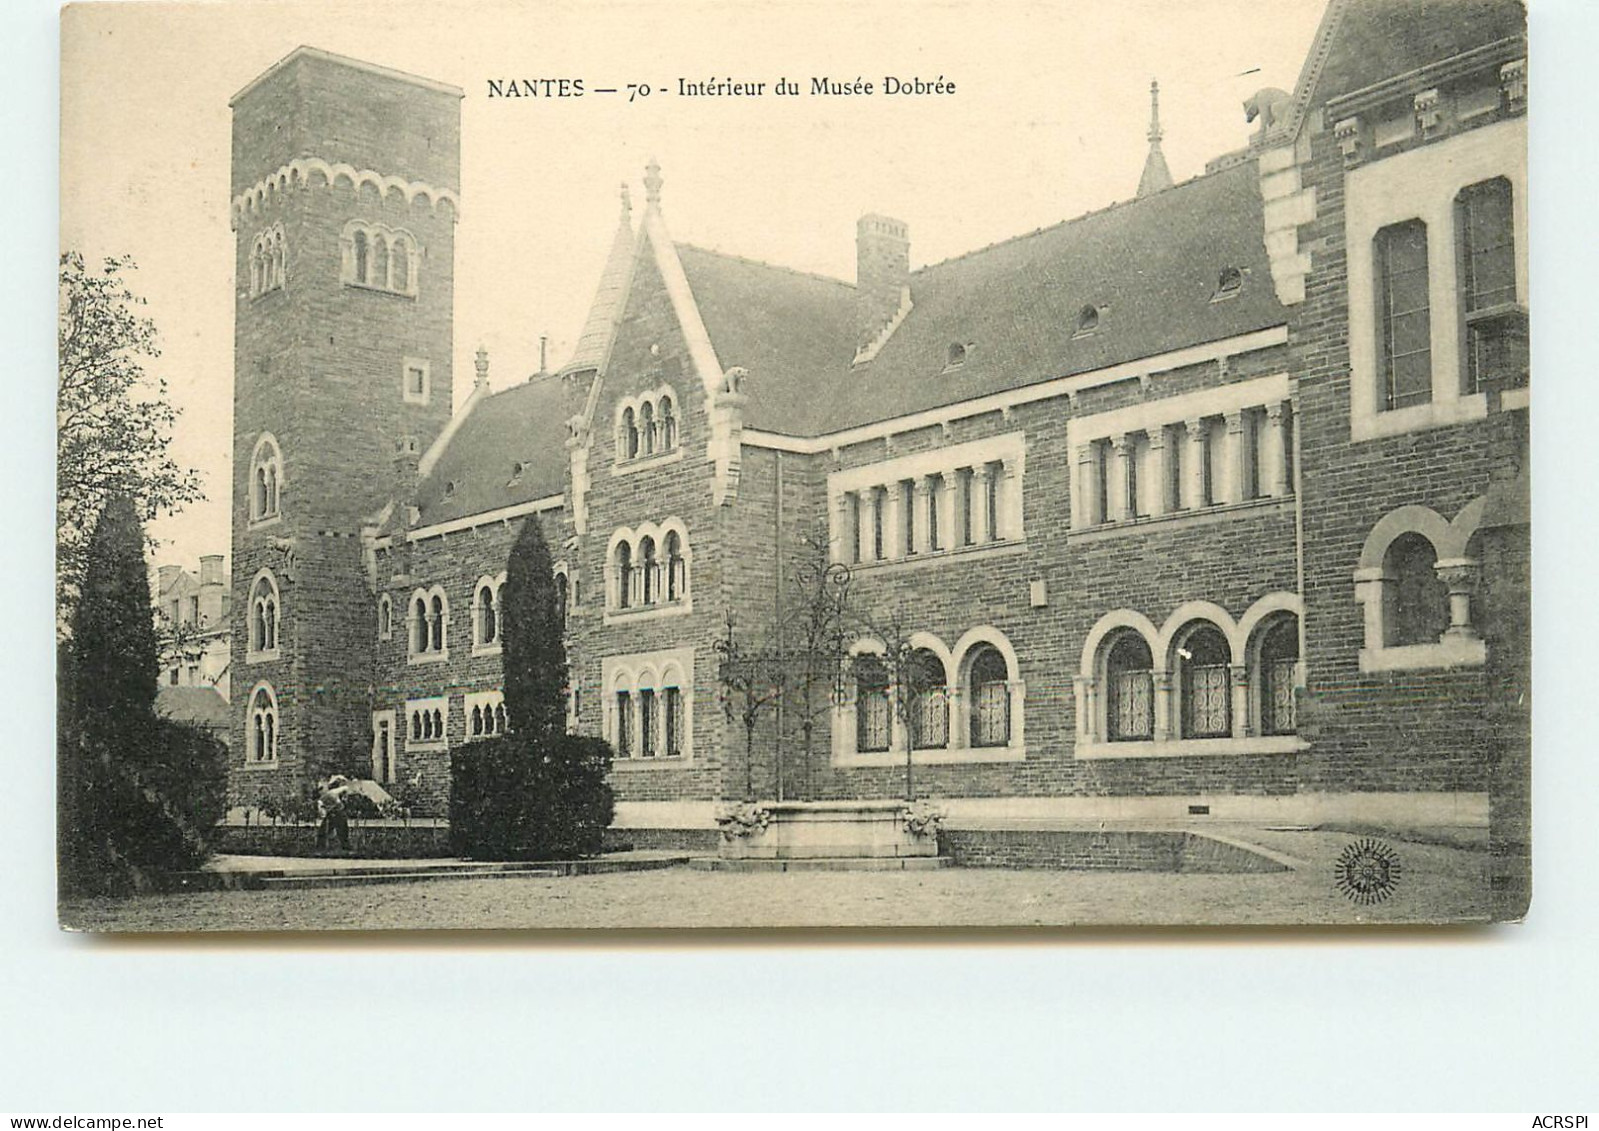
[(1429, 112), (1348, 135), (1513, 84), (727, 434)]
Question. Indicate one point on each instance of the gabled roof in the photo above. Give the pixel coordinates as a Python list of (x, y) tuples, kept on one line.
[(1151, 267), (476, 471), (1374, 40)]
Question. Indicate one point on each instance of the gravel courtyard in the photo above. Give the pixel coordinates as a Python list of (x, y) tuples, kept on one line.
[(1437, 883)]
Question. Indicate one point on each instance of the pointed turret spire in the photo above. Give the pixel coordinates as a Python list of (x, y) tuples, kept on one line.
[(627, 205), (1156, 176)]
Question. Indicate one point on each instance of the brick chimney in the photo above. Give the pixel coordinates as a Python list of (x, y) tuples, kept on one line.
[(210, 569), (882, 276), (165, 576)]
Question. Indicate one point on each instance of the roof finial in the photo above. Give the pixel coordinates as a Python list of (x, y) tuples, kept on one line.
[(1156, 176), (482, 366), (652, 183)]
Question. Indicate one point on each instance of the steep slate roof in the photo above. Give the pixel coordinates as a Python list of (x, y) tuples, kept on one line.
[(202, 706), (1152, 265), (1376, 40), (523, 424)]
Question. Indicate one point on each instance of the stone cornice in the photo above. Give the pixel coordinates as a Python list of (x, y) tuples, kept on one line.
[(296, 175)]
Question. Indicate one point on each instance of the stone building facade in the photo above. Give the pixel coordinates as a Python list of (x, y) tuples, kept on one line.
[(1177, 502)]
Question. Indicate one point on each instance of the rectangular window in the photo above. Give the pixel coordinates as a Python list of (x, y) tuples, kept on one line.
[(1176, 449), (1137, 450), (907, 515), (194, 610), (416, 380), (624, 725), (966, 504), (173, 680), (646, 724), (1496, 330), (1101, 481), (879, 504), (672, 701), (1215, 447), (935, 503), (991, 489), (1404, 315)]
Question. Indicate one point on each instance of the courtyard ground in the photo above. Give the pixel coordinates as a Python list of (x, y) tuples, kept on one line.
[(1437, 883)]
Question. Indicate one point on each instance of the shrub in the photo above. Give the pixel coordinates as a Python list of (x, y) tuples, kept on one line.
[(513, 800)]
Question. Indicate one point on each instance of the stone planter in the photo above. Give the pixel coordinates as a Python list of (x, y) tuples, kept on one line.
[(819, 830)]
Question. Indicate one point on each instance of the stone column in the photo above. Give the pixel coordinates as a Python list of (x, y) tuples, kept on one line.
[(1163, 684), (1194, 466), (979, 504), (1155, 489), (1121, 456), (843, 526), (921, 500), (1011, 525), (888, 497), (1083, 495), (1087, 689), (1240, 687), (1459, 576), (1273, 453), (1237, 450), (865, 507)]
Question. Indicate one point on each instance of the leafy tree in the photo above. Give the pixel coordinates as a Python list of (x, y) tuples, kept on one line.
[(137, 791), (113, 422), (536, 793)]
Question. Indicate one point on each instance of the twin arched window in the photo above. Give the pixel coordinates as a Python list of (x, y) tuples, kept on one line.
[(264, 618), (428, 623), (487, 618), (262, 736), (646, 426), (379, 257), (972, 710), (649, 567), (268, 261), (266, 479)]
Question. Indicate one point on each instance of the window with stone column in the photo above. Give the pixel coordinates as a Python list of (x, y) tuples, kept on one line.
[(1417, 580)]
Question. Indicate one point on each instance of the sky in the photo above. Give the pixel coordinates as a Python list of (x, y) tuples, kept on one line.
[(1047, 121)]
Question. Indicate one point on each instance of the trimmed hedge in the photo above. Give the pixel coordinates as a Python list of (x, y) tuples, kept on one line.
[(514, 799)]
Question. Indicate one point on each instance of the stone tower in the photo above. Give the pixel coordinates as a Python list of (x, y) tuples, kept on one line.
[(344, 201)]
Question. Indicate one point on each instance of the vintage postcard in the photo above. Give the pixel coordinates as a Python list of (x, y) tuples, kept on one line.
[(757, 465)]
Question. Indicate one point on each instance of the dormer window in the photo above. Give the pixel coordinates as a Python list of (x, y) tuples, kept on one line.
[(956, 357), (1228, 284), (1087, 321)]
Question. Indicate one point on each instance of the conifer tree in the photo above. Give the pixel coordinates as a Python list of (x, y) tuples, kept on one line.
[(114, 648), (534, 652)]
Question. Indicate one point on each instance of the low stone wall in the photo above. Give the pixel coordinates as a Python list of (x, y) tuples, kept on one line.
[(1099, 851), (373, 840)]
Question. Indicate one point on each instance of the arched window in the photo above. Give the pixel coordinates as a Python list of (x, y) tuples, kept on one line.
[(380, 262), (256, 284), (1417, 611), (263, 643), (419, 624), (263, 737), (646, 428), (629, 437), (988, 685), (1129, 689), (650, 582), (1276, 661), (562, 596), (436, 623), (266, 473), (385, 617), (929, 714), (872, 729), (668, 425), (676, 568), (1203, 659), (401, 267), (486, 614), (624, 575), (361, 257)]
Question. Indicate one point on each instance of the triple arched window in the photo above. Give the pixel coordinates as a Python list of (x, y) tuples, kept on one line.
[(379, 257), (487, 616), (485, 714), (264, 618), (648, 567), (261, 726), (1203, 676), (428, 625), (266, 479), (647, 425), (948, 704), (268, 261)]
